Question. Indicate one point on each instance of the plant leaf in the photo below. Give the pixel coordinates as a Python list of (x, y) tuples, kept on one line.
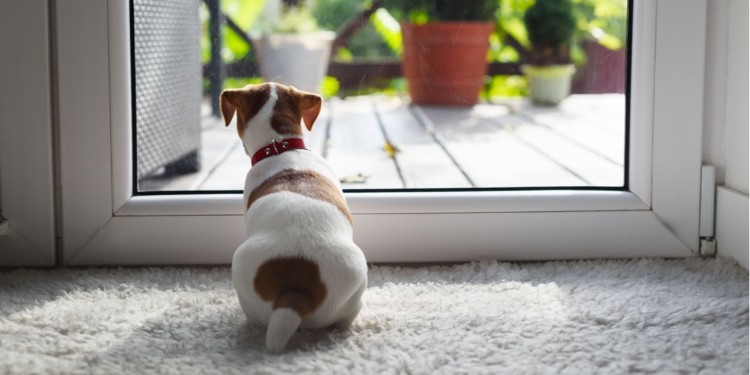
[(389, 29)]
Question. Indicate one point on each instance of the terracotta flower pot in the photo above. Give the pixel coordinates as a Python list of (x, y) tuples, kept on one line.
[(445, 62)]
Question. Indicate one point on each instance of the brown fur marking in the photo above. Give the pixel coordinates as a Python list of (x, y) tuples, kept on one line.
[(286, 114), (291, 282), (291, 108), (308, 183), (246, 101)]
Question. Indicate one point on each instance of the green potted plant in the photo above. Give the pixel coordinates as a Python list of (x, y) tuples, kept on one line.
[(550, 25), (445, 45), (290, 47)]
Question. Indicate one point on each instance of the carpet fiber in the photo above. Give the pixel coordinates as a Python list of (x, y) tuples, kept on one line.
[(643, 316)]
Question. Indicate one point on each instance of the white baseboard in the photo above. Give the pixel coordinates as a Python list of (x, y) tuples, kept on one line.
[(732, 224)]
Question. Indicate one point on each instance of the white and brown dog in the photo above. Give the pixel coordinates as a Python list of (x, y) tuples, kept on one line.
[(299, 266)]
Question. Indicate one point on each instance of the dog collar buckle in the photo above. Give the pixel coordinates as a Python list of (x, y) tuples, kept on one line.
[(278, 147)]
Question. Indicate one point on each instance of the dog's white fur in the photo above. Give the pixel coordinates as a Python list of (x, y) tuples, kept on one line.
[(262, 133), (285, 224)]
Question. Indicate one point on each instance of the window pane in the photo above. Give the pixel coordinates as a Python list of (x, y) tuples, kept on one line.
[(533, 96)]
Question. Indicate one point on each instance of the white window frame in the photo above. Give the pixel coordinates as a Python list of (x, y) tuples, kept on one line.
[(27, 237), (104, 223)]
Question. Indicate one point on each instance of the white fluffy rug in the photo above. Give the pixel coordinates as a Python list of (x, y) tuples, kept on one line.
[(644, 316)]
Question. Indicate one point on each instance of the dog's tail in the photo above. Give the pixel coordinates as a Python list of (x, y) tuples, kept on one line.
[(289, 309), (294, 288)]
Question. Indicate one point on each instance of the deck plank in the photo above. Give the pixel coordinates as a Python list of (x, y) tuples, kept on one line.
[(217, 142), (493, 156), (595, 125), (230, 173), (356, 146), (515, 144), (223, 142), (422, 161), (590, 166)]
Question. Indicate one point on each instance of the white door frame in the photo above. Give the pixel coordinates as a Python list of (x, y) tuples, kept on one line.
[(103, 223), (26, 169)]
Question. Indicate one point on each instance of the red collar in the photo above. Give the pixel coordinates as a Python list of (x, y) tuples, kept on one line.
[(277, 147)]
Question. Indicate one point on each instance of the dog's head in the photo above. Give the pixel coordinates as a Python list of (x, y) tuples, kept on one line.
[(269, 111)]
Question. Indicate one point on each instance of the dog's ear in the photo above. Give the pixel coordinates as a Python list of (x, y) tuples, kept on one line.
[(309, 106), (228, 105), (245, 102)]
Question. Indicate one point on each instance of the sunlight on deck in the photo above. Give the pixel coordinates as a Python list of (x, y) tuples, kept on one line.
[(378, 142)]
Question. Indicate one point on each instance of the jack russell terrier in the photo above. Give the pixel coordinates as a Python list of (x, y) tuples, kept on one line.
[(299, 267)]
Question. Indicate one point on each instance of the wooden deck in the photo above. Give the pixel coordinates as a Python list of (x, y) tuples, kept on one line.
[(377, 142)]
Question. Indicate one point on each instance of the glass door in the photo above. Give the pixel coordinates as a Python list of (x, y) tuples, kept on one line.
[(611, 174), (377, 130)]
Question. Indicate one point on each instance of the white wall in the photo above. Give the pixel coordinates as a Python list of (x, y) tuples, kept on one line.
[(736, 175), (726, 121)]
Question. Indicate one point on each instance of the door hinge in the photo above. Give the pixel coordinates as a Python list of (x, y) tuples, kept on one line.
[(707, 216), (708, 247)]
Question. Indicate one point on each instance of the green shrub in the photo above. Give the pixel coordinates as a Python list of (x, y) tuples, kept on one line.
[(365, 43), (550, 25)]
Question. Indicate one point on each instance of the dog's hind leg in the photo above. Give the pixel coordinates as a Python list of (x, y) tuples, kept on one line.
[(345, 323), (352, 310)]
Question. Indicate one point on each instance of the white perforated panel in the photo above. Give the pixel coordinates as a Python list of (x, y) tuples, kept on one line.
[(167, 81)]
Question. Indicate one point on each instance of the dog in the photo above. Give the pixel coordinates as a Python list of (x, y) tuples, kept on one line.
[(299, 266)]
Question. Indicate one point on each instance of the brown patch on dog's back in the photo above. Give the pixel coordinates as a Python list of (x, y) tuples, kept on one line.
[(308, 183), (291, 282)]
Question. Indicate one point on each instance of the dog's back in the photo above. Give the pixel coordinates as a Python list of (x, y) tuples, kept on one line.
[(298, 266)]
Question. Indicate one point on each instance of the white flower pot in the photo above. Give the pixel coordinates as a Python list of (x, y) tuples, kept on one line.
[(549, 85), (299, 60)]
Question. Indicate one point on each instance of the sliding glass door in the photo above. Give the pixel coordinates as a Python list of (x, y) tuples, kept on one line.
[(599, 175)]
